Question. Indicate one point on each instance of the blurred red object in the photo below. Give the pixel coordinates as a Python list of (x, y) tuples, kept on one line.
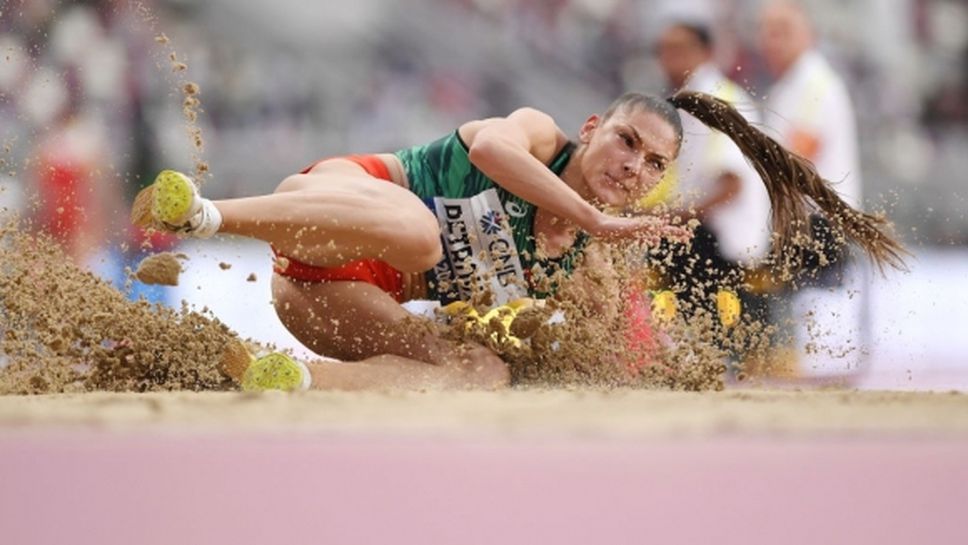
[(640, 335)]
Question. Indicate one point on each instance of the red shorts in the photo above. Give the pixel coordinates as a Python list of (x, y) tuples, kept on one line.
[(371, 271)]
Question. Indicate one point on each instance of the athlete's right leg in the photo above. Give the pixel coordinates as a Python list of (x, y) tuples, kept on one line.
[(335, 214), (339, 213)]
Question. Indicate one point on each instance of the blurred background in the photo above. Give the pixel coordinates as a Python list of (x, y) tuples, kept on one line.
[(88, 97)]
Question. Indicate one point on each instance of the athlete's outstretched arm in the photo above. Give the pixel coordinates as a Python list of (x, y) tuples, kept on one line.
[(513, 151)]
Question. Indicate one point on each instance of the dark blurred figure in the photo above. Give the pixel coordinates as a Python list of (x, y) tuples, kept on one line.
[(713, 181)]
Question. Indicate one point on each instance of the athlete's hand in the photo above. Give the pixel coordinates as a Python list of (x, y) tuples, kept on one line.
[(648, 228)]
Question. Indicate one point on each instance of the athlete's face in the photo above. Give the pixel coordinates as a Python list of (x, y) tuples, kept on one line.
[(627, 154)]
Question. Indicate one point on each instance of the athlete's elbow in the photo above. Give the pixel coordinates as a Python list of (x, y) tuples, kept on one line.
[(486, 152)]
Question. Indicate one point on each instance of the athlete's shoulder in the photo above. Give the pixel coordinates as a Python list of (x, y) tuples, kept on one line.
[(529, 127), (528, 118), (542, 130), (532, 115)]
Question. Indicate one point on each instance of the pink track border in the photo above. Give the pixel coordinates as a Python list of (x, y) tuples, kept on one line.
[(170, 489)]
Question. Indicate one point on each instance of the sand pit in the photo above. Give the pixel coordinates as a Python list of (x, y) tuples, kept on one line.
[(632, 414), (476, 467)]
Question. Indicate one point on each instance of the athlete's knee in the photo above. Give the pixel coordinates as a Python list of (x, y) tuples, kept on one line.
[(486, 370), (494, 376), (428, 248), (418, 235), (294, 182)]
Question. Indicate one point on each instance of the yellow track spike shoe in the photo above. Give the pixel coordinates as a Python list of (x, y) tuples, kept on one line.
[(459, 310), (276, 371), (172, 203), (175, 199), (499, 319)]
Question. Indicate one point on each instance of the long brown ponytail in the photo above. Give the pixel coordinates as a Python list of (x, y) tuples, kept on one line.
[(792, 183)]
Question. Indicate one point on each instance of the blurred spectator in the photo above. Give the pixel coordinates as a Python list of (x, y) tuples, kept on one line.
[(74, 199), (809, 111), (70, 108), (716, 184), (948, 105), (808, 107)]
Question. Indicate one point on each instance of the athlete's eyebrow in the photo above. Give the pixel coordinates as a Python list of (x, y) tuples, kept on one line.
[(638, 138), (635, 133), (660, 155)]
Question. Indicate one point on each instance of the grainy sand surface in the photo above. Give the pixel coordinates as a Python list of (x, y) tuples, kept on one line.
[(515, 413)]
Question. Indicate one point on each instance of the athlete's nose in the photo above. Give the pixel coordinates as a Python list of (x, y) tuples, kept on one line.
[(631, 168)]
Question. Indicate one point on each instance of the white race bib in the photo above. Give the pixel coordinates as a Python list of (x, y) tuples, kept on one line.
[(479, 250)]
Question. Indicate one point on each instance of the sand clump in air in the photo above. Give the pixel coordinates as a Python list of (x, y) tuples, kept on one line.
[(160, 269)]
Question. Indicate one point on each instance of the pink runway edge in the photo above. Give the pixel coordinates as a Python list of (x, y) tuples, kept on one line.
[(147, 489)]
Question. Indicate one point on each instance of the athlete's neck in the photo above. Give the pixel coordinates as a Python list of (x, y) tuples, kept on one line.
[(573, 178)]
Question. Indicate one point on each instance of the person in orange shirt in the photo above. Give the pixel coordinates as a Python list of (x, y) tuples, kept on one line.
[(808, 109)]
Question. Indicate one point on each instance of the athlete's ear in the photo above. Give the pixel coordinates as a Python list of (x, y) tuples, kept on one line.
[(586, 131)]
